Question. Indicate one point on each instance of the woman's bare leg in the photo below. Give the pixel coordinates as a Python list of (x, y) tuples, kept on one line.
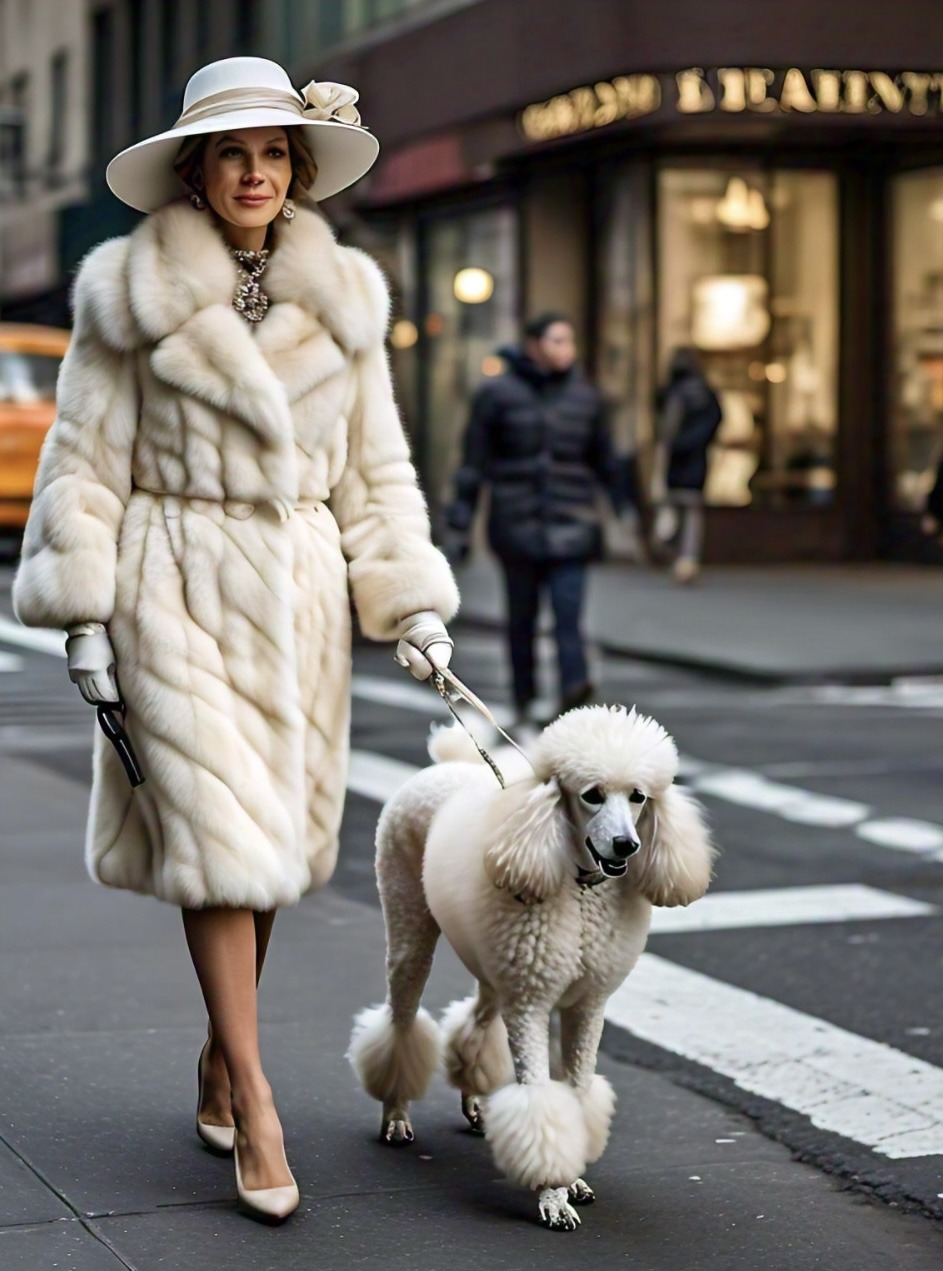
[(216, 1107), (223, 947)]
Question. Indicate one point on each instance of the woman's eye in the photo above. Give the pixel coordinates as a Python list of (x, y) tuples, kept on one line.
[(276, 153), (636, 797), (593, 796), (230, 152)]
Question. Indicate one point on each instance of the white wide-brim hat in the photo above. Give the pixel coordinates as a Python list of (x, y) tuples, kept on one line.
[(249, 92)]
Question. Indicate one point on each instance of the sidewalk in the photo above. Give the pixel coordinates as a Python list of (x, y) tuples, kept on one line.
[(781, 624), (100, 1026)]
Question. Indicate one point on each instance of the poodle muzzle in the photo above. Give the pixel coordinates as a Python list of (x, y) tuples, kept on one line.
[(612, 838)]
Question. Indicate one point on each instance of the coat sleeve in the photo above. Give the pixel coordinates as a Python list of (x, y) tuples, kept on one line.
[(67, 572), (473, 470), (610, 470), (394, 569)]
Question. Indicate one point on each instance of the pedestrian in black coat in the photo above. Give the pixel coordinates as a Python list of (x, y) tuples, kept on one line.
[(538, 438), (688, 416), (932, 521)]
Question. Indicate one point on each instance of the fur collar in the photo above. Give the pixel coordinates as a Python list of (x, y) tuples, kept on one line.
[(169, 286)]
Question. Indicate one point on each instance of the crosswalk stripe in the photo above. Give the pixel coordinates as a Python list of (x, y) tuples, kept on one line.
[(786, 906), (850, 1085), (39, 639), (792, 803), (375, 776)]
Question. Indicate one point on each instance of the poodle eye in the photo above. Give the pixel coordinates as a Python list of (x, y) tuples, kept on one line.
[(593, 796), (637, 797)]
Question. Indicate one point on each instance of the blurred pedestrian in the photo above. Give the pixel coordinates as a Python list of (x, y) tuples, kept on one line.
[(932, 520), (226, 375), (538, 438), (687, 418)]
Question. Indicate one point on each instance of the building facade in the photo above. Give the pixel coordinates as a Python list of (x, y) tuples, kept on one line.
[(763, 182)]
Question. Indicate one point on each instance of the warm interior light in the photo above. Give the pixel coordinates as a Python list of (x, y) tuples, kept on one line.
[(473, 286), (404, 334), (742, 208), (936, 210), (729, 311), (775, 372), (492, 365)]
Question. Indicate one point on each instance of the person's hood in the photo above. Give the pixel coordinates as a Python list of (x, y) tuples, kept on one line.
[(519, 363)]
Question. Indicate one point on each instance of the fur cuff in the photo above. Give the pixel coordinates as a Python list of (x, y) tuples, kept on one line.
[(477, 1060), (537, 1134), (599, 1102), (394, 1062)]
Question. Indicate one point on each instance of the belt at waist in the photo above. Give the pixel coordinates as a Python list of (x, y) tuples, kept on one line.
[(239, 509)]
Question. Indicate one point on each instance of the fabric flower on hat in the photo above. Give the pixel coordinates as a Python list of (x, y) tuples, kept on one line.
[(326, 100)]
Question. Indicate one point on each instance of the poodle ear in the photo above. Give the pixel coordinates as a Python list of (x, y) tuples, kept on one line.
[(527, 853), (677, 854)]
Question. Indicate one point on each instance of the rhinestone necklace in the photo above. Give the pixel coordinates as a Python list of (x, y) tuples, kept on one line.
[(249, 299)]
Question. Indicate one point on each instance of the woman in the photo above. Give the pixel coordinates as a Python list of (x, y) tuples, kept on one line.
[(227, 377), (688, 417), (538, 437)]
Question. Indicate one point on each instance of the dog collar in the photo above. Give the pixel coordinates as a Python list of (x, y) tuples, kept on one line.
[(589, 877)]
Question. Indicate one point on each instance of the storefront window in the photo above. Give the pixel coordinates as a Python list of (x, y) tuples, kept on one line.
[(748, 275), (471, 311), (917, 396), (625, 331)]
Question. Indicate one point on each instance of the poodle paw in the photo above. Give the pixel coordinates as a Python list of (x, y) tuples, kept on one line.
[(471, 1111), (581, 1193), (556, 1212), (397, 1128)]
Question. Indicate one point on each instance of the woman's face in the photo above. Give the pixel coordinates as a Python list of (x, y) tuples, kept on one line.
[(247, 175)]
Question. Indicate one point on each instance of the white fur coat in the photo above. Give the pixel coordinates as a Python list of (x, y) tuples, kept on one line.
[(208, 491)]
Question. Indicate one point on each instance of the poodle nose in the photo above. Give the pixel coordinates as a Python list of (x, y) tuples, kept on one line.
[(624, 846)]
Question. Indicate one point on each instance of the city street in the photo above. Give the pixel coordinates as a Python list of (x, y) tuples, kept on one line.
[(778, 1054)]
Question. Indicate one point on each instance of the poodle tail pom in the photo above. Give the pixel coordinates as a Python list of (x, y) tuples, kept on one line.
[(477, 1059), (395, 1062), (599, 1102), (451, 744), (537, 1133)]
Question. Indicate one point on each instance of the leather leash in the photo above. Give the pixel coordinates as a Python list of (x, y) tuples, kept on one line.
[(449, 687)]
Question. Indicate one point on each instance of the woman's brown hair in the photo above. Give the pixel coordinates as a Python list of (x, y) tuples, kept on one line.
[(188, 164)]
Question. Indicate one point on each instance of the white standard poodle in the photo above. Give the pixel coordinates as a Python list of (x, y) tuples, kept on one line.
[(545, 890)]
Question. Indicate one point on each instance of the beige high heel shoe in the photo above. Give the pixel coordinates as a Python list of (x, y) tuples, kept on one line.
[(271, 1203), (220, 1139)]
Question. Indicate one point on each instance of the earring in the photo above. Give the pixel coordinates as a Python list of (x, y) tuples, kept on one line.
[(288, 209), (197, 202)]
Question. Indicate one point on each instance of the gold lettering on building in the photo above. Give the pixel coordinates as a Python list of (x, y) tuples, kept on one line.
[(887, 94), (856, 92), (733, 83), (827, 85), (735, 90), (917, 85), (758, 84), (795, 94), (694, 95)]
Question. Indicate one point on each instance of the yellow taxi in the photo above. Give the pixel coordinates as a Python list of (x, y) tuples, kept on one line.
[(29, 364)]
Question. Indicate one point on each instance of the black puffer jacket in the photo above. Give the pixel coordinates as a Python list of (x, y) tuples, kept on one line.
[(688, 417), (540, 441)]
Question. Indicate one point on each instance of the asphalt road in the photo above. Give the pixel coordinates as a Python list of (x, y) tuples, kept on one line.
[(812, 972)]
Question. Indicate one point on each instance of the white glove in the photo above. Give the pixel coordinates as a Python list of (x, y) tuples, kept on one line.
[(91, 661), (424, 644)]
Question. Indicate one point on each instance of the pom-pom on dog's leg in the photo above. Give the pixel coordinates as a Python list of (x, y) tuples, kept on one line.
[(536, 1126), (477, 1055), (581, 1028), (396, 1048)]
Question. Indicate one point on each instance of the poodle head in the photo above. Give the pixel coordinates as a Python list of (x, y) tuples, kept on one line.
[(602, 805)]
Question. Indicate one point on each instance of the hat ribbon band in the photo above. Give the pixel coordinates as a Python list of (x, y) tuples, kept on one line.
[(336, 102), (232, 99)]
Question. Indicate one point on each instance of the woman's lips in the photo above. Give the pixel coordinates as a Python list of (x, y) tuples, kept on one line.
[(253, 200)]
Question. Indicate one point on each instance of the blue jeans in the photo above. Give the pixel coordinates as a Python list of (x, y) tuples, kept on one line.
[(525, 581)]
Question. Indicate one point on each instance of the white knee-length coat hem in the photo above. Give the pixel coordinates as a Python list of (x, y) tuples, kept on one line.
[(213, 492)]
